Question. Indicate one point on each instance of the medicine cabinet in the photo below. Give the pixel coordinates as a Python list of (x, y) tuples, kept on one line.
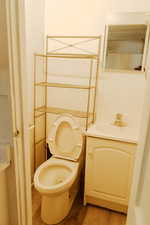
[(125, 47)]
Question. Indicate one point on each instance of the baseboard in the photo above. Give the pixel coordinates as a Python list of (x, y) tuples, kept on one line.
[(107, 204)]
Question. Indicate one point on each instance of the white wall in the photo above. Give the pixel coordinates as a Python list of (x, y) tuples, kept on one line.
[(139, 201), (67, 17), (89, 18), (121, 93), (35, 20), (145, 196), (73, 17)]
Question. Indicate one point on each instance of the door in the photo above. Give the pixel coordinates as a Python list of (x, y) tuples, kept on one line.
[(8, 210), (25, 21), (18, 182), (110, 173), (109, 169)]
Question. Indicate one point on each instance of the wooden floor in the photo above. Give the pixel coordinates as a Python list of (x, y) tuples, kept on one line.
[(81, 215)]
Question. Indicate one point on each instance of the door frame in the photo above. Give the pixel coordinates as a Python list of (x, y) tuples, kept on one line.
[(15, 11), (135, 216)]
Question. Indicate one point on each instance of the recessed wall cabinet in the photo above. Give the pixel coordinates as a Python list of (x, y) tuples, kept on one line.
[(125, 47), (108, 174)]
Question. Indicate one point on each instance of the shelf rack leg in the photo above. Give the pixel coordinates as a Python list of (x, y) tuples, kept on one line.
[(96, 81)]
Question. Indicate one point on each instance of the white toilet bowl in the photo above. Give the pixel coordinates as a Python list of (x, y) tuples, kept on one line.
[(53, 179), (56, 179), (55, 176)]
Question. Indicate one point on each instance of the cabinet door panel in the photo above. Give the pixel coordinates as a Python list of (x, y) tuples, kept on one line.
[(110, 173)]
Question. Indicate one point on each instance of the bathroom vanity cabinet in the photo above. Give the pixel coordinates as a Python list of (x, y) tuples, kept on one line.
[(108, 173)]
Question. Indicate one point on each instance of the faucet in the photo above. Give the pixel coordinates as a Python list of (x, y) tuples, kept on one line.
[(119, 121)]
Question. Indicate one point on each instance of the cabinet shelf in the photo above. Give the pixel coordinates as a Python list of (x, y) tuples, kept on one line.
[(124, 71), (55, 110), (125, 53), (63, 85)]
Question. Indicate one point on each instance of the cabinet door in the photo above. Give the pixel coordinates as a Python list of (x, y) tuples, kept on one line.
[(108, 170)]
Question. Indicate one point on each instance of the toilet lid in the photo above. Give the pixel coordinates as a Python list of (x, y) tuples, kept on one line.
[(65, 138)]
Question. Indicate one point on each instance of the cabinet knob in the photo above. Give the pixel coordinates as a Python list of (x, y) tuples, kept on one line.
[(16, 133)]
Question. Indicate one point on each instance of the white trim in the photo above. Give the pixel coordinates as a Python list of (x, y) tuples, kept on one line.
[(105, 46), (135, 214), (145, 52), (139, 219), (18, 85)]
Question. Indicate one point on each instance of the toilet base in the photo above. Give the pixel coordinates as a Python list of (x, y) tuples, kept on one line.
[(55, 208)]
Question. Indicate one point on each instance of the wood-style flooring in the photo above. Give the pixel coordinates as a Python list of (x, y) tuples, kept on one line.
[(81, 215)]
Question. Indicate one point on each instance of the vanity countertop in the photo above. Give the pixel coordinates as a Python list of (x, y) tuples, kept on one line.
[(112, 132)]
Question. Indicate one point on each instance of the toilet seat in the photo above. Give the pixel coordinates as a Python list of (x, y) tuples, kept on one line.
[(55, 176), (69, 145)]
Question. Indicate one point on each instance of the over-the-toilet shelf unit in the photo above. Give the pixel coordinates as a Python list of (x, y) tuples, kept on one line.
[(65, 48)]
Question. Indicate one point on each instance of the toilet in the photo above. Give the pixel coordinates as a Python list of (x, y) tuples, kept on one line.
[(58, 178)]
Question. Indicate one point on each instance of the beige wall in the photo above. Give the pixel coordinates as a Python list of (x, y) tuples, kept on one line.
[(4, 217), (3, 37)]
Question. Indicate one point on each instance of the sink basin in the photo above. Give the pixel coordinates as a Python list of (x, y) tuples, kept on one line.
[(109, 131)]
